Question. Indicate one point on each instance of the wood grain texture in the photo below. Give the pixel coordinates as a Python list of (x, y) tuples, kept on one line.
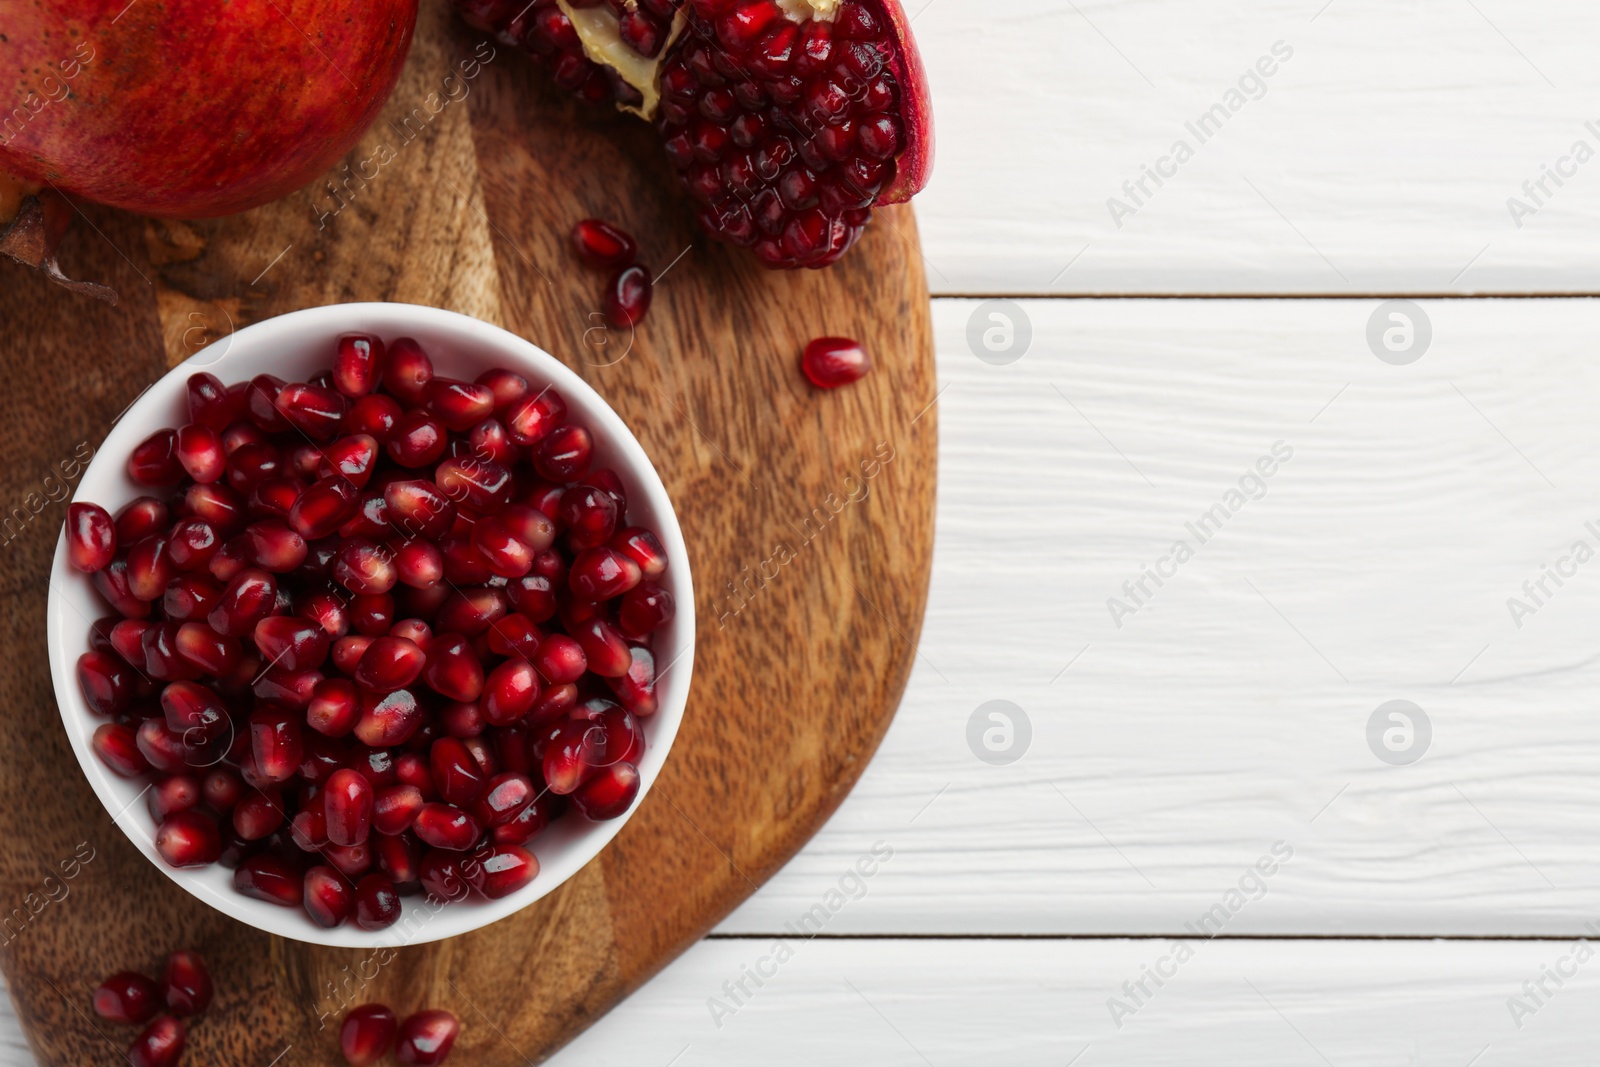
[(1379, 158), (1230, 713), (793, 689)]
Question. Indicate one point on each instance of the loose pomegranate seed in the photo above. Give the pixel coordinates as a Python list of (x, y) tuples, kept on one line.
[(107, 684), (291, 643), (367, 1033), (348, 808), (628, 297), (564, 456), (603, 246), (372, 614), (117, 748), (270, 878), (506, 869), (352, 861), (590, 515), (407, 372), (154, 462), (531, 420), (188, 839), (400, 857), (219, 506), (175, 793), (454, 669), (608, 793), (419, 564), (160, 1045), (328, 898), (390, 663), (91, 537), (327, 505), (624, 736), (261, 403), (426, 1038), (377, 902), (127, 997), (188, 984), (358, 365), (447, 827), (418, 509), (507, 386), (309, 830), (389, 719), (276, 743), (417, 440), (830, 362), (192, 544)]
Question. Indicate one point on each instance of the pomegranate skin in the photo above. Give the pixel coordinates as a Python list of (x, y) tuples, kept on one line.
[(143, 111)]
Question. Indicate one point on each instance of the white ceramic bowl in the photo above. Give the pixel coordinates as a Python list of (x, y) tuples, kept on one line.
[(294, 347)]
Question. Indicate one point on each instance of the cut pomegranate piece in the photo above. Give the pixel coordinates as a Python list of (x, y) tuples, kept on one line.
[(830, 362), (127, 997), (160, 1045), (368, 1032), (91, 537), (426, 1038), (604, 246), (187, 982), (787, 121)]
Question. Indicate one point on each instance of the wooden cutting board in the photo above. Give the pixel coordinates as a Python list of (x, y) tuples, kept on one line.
[(811, 579)]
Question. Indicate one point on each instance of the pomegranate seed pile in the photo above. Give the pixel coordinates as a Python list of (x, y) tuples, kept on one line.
[(785, 130), (376, 632), (603, 246), (130, 998), (425, 1038)]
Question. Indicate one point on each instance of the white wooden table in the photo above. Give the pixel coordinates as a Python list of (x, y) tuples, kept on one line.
[(1207, 850)]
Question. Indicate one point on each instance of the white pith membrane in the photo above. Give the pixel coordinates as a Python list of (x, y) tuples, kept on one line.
[(599, 30)]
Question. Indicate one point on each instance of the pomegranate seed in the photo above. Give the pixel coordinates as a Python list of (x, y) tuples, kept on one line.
[(624, 736), (206, 650), (456, 775), (390, 663), (417, 508), (292, 643), (327, 611), (127, 997), (258, 815), (192, 544), (367, 1033), (491, 440), (531, 420), (291, 689), (154, 462), (608, 793), (419, 564), (327, 898), (514, 635), (334, 707), (160, 1045), (417, 440), (149, 569), (357, 365), (590, 515), (407, 371), (830, 362), (347, 805), (326, 506), (222, 789), (139, 518), (564, 455), (91, 537), (453, 668), (575, 749), (604, 649), (164, 748), (188, 984), (534, 597), (218, 505), (118, 749), (276, 743), (560, 659), (426, 1038), (637, 688), (352, 861), (395, 808), (347, 651), (374, 416), (470, 612), (506, 869), (314, 410), (210, 402), (602, 245), (251, 596), (389, 719), (507, 386), (365, 567), (459, 405), (510, 692), (270, 878), (199, 452), (106, 683), (377, 903), (175, 793), (309, 830), (480, 484), (628, 297), (161, 659), (503, 796), (644, 610), (400, 857), (188, 839), (602, 573), (526, 824), (372, 614), (447, 827)]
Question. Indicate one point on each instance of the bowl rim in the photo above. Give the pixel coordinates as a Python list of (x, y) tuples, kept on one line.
[(152, 410)]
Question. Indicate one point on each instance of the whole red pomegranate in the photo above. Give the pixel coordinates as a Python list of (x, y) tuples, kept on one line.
[(788, 120), (181, 108)]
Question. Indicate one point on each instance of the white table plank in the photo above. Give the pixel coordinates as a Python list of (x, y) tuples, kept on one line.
[(1231, 713), (1380, 158)]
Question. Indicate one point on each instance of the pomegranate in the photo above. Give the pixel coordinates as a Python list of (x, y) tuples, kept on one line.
[(787, 120), (115, 104), (343, 713)]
